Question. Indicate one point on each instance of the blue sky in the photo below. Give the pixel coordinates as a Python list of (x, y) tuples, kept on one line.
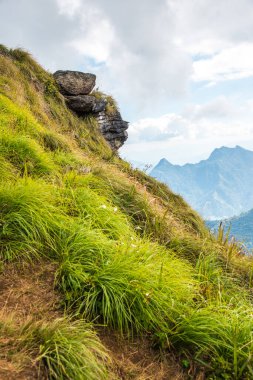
[(181, 70)]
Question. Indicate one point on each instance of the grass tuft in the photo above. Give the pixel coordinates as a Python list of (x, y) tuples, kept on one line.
[(130, 288), (69, 349), (57, 350)]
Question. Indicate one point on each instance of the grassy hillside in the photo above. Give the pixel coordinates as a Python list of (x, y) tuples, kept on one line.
[(100, 261)]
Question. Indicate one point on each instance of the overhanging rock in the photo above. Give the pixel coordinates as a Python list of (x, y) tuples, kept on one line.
[(76, 88)]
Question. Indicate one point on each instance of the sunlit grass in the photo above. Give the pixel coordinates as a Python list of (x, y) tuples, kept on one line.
[(129, 253), (128, 287), (63, 348)]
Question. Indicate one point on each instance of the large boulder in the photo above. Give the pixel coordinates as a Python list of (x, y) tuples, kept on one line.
[(75, 82), (83, 104)]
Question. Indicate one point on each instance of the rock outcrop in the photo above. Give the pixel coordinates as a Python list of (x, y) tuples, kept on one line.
[(83, 104), (76, 88), (113, 128), (75, 82)]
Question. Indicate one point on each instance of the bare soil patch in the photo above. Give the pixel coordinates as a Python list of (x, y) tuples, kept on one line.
[(137, 360), (26, 292)]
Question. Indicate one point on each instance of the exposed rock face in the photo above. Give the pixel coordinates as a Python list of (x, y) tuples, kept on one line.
[(113, 128), (75, 82), (76, 88)]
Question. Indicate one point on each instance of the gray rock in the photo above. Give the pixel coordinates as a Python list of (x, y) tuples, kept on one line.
[(76, 87), (99, 105), (113, 128), (83, 104), (112, 136), (75, 82)]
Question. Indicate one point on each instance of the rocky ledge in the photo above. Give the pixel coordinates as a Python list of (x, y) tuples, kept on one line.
[(76, 87)]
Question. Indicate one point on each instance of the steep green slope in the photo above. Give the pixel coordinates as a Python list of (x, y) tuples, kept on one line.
[(128, 253)]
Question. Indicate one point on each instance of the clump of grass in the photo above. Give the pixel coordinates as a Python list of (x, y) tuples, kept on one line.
[(174, 203), (22, 122), (188, 247), (20, 54), (220, 338), (130, 288), (78, 241), (102, 215), (53, 142), (111, 104), (25, 155), (28, 65), (19, 119), (69, 349), (28, 219), (62, 349), (67, 161), (98, 94), (7, 171), (4, 50), (231, 248), (90, 137), (211, 277), (125, 195)]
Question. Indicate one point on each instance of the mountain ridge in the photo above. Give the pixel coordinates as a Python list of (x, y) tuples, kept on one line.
[(217, 187)]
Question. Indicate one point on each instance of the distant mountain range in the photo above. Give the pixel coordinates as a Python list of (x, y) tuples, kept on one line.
[(219, 187), (241, 227)]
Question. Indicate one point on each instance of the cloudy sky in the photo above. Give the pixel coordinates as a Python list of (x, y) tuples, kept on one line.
[(181, 70)]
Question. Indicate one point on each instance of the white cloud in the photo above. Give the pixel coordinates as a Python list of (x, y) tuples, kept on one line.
[(158, 129), (192, 134), (96, 43), (230, 63), (220, 117), (207, 26), (128, 44), (69, 7), (218, 35), (147, 53), (218, 108)]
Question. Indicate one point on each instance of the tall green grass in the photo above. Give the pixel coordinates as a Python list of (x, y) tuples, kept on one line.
[(66, 196), (62, 349), (221, 339), (25, 155), (125, 195), (18, 119), (88, 205), (29, 219), (7, 171), (131, 288), (69, 349)]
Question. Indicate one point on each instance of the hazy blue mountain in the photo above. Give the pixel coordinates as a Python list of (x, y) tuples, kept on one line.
[(219, 187), (241, 227)]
